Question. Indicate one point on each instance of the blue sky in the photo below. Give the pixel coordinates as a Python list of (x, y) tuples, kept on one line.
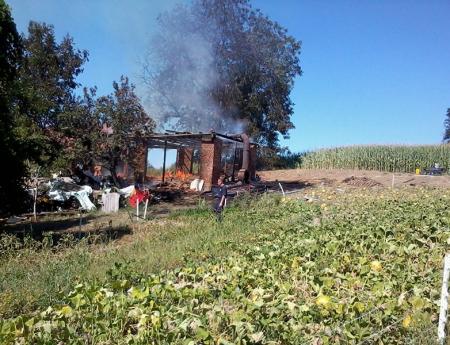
[(375, 72)]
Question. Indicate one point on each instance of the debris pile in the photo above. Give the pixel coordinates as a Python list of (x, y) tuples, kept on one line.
[(60, 193), (61, 190)]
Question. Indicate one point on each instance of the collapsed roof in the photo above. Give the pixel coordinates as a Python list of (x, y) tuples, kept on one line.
[(175, 140)]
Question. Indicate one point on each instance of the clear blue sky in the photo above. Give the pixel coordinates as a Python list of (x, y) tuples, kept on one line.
[(375, 71)]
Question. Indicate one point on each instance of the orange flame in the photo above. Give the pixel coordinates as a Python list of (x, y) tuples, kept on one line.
[(178, 174)]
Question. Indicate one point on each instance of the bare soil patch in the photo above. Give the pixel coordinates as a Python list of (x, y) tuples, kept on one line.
[(361, 182), (354, 178)]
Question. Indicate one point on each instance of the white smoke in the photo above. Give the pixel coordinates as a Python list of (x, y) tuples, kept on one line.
[(181, 72)]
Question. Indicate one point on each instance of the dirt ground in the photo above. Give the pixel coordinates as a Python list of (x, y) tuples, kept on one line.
[(121, 225), (356, 178)]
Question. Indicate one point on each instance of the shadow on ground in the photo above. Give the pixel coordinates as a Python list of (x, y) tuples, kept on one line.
[(75, 227), (288, 186)]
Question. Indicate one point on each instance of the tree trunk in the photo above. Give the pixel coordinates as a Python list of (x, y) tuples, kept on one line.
[(113, 169), (113, 172)]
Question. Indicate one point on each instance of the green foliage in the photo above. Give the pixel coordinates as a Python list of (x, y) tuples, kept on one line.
[(47, 81), (446, 137), (269, 159), (222, 64), (377, 157), (26, 283), (49, 74), (12, 196), (356, 267), (11, 48), (123, 112), (59, 130)]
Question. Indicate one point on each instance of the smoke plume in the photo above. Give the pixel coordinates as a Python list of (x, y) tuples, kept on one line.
[(183, 77)]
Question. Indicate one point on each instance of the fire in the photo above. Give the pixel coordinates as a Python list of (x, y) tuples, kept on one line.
[(178, 175)]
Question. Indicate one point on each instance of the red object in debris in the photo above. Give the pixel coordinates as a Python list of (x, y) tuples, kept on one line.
[(138, 195)]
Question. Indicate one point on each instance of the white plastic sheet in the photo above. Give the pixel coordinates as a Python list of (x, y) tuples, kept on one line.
[(81, 194), (127, 191)]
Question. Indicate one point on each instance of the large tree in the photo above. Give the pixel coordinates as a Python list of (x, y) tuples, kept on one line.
[(221, 64), (62, 130), (122, 125), (447, 127), (11, 190), (48, 81), (107, 130)]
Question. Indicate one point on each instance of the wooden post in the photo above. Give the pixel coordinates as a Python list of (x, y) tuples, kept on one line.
[(137, 210), (145, 210), (282, 190), (444, 300), (164, 162), (35, 191)]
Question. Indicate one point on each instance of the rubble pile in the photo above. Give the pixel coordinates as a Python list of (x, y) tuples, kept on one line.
[(60, 193), (67, 193)]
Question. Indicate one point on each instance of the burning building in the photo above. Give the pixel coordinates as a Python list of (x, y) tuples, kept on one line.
[(209, 154)]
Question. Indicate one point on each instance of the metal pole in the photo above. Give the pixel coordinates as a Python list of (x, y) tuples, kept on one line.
[(192, 160), (145, 161), (234, 161), (178, 166), (164, 161)]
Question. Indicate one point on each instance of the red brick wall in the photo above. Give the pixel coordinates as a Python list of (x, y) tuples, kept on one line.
[(138, 163), (210, 168), (184, 160)]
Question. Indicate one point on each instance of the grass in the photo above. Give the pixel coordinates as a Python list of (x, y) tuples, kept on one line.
[(36, 274)]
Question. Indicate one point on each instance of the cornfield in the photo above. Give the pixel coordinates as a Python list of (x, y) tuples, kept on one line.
[(378, 157)]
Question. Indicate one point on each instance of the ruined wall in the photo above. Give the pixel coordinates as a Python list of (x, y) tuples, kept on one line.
[(210, 162), (185, 160), (140, 162), (252, 165)]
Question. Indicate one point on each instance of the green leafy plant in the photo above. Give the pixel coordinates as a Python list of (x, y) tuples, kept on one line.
[(355, 267)]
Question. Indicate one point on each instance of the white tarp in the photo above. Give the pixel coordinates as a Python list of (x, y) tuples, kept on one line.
[(81, 193)]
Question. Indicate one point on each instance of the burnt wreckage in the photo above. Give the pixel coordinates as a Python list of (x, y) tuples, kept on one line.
[(208, 155)]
